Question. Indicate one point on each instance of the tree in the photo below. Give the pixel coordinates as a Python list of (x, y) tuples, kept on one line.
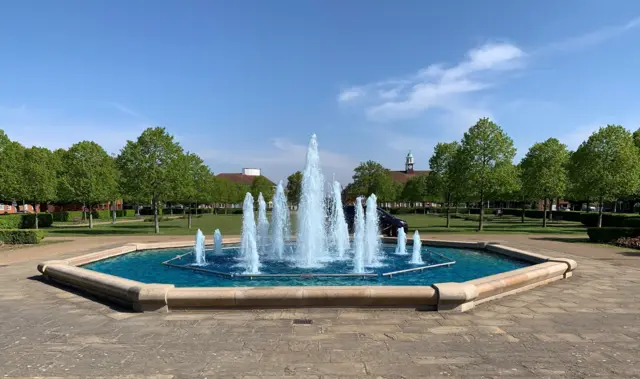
[(606, 166), (150, 168), (636, 138), (195, 180), (371, 177), (544, 172), (38, 184), (444, 178), (294, 188), (261, 185), (11, 161), (486, 155), (89, 174), (415, 189)]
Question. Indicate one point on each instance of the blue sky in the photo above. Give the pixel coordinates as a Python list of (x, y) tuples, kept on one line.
[(245, 83)]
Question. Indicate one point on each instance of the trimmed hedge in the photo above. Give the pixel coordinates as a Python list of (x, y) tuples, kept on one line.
[(611, 219), (610, 234), (25, 221), (17, 236)]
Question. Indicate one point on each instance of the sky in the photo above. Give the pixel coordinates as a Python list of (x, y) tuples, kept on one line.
[(246, 83)]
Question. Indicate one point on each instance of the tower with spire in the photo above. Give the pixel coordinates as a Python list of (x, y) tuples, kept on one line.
[(408, 165)]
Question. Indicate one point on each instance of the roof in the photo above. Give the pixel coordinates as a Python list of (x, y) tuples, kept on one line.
[(241, 178), (404, 176)]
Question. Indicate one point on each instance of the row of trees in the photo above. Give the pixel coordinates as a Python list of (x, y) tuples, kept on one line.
[(153, 169), (480, 167)]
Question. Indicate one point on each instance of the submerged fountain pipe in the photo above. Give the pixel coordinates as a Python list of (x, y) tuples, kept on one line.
[(311, 241), (263, 225), (372, 231), (217, 241), (358, 238), (249, 257), (199, 249), (339, 232), (279, 222), (401, 247), (416, 257)]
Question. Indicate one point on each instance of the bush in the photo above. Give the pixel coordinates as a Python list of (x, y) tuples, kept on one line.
[(17, 236), (29, 220), (609, 219), (630, 242), (10, 221), (149, 212), (160, 219), (61, 216), (610, 234)]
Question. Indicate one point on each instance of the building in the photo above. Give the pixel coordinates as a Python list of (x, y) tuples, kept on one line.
[(245, 177), (409, 172)]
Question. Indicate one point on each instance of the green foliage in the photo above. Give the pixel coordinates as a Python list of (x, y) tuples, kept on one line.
[(372, 178), (414, 189), (262, 185), (636, 138), (610, 219), (10, 221), (610, 234), (17, 236), (11, 158), (195, 182), (150, 167), (544, 170), (294, 188), (606, 166), (445, 179), (485, 162), (28, 221)]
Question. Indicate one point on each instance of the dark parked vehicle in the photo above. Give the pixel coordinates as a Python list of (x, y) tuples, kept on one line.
[(389, 224)]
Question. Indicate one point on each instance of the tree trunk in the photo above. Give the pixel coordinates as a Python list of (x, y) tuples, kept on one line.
[(156, 223), (600, 213), (448, 210), (137, 209), (196, 209), (544, 217), (84, 213), (171, 209), (481, 222), (523, 212), (615, 206), (35, 212), (90, 218), (588, 203), (551, 210), (113, 213), (225, 208), (189, 219)]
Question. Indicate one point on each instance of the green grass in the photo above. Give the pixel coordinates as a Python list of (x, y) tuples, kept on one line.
[(232, 224)]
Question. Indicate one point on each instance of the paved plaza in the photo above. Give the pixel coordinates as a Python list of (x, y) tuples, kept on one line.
[(586, 326)]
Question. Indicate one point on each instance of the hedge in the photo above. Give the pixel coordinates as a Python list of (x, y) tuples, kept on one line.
[(609, 219), (610, 234), (17, 236), (25, 221)]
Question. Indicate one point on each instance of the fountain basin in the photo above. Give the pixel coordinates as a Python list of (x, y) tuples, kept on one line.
[(535, 270)]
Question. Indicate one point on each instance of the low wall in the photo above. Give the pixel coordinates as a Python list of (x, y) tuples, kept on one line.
[(444, 297)]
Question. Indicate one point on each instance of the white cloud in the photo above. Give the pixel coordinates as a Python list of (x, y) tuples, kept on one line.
[(126, 110), (279, 159), (437, 86)]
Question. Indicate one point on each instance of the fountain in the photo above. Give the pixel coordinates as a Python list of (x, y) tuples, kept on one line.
[(199, 249), (416, 257), (249, 257), (263, 225), (338, 231), (358, 238), (311, 240), (279, 223), (401, 247), (371, 239), (217, 241)]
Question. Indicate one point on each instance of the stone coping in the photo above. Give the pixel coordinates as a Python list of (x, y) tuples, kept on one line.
[(443, 297)]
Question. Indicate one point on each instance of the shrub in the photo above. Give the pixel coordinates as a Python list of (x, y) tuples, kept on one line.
[(29, 220), (630, 242), (160, 219), (61, 216), (149, 212), (10, 221), (17, 236), (609, 219), (610, 234)]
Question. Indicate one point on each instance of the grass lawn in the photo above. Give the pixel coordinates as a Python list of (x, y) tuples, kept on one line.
[(232, 224)]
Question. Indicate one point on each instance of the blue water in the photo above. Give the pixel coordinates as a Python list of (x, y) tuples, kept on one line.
[(147, 267)]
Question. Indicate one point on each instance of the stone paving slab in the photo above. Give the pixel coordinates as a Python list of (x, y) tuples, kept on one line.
[(587, 326)]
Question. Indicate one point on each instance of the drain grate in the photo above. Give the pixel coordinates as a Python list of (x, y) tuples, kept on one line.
[(302, 321)]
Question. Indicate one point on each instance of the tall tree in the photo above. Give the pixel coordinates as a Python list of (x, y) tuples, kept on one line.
[(544, 172), (38, 184), (486, 155), (262, 185), (11, 161), (90, 174), (195, 180), (444, 178), (372, 178), (150, 167), (414, 189), (636, 138), (294, 188), (606, 166)]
